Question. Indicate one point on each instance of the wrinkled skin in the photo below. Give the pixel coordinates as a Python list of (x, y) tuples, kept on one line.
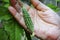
[(46, 21)]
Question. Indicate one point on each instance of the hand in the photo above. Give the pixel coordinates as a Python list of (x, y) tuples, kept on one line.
[(46, 21)]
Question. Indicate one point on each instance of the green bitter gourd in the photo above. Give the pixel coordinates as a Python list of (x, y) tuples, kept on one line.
[(27, 19)]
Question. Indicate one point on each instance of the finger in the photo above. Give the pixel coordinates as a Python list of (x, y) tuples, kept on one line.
[(40, 6), (18, 16), (12, 10), (15, 4)]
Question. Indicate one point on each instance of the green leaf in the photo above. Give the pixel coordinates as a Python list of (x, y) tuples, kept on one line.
[(4, 14), (14, 30), (11, 27), (58, 0), (55, 8), (6, 1), (3, 35), (19, 32)]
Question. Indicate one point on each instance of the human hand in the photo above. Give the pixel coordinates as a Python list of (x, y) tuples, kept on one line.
[(46, 21)]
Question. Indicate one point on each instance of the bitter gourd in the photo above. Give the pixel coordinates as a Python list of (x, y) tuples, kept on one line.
[(27, 19)]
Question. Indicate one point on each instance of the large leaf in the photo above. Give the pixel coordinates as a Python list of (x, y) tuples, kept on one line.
[(12, 28)]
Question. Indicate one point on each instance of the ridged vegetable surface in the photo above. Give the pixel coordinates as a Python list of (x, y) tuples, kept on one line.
[(27, 19)]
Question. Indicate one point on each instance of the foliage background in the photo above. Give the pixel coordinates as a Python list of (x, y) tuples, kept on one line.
[(10, 29)]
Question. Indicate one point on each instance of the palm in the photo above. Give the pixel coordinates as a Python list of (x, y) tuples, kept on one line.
[(45, 23)]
